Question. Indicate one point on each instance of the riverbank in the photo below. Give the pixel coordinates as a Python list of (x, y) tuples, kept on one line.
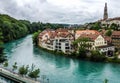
[(15, 77), (60, 69), (104, 59)]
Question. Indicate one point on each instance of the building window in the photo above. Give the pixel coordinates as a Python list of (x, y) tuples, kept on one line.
[(59, 47), (66, 44), (66, 47), (56, 46), (56, 40)]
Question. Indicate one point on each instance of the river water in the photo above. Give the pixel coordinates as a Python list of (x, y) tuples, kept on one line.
[(60, 69)]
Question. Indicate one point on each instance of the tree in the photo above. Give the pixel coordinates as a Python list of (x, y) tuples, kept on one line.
[(35, 37), (34, 73), (96, 26), (14, 66), (114, 26), (75, 45), (83, 45), (2, 57), (82, 52), (23, 70), (82, 42), (5, 64), (105, 81), (97, 56), (108, 33)]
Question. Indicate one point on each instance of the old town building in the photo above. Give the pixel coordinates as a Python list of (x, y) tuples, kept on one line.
[(116, 39), (57, 40), (97, 41)]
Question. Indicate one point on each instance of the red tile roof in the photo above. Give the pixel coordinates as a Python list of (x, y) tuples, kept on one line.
[(116, 33), (55, 33), (108, 39), (92, 37), (87, 32)]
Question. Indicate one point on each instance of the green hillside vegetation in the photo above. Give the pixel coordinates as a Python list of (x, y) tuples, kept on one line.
[(12, 29)]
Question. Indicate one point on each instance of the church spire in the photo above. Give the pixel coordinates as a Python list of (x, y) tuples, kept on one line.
[(105, 17)]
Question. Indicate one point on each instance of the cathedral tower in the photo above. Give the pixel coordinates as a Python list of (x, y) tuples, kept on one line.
[(105, 17)]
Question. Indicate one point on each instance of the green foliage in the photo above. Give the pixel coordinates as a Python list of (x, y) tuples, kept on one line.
[(1, 42), (35, 37), (105, 81), (82, 53), (34, 73), (5, 64), (114, 26), (83, 39), (108, 33), (15, 66), (2, 57), (83, 46), (97, 56), (96, 26), (23, 70), (82, 42), (13, 29)]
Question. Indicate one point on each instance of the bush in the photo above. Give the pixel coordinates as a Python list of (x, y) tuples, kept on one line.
[(35, 37), (97, 56), (82, 53)]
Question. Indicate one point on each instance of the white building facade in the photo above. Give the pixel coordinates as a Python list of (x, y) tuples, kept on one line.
[(56, 41)]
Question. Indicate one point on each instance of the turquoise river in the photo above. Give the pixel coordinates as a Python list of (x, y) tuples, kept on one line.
[(60, 69)]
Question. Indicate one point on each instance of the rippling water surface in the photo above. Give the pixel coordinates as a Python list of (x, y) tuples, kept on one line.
[(60, 69)]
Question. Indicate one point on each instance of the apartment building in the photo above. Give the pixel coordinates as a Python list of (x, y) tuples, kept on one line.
[(116, 39), (96, 41), (57, 40)]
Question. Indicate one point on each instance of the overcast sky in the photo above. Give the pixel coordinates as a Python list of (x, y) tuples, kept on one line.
[(59, 11)]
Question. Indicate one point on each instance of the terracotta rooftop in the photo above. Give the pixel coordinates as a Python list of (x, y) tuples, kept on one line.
[(87, 32), (108, 39), (92, 37), (63, 34), (116, 33), (55, 33), (62, 30)]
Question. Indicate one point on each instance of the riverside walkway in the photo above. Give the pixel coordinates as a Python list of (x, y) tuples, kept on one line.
[(15, 77)]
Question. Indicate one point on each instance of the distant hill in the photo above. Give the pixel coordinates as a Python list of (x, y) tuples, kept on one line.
[(12, 28)]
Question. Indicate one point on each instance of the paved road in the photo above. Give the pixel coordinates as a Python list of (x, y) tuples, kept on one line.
[(15, 76)]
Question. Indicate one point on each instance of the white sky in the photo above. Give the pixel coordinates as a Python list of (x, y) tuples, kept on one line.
[(59, 11)]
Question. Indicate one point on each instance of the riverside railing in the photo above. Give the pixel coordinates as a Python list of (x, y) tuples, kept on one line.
[(12, 72)]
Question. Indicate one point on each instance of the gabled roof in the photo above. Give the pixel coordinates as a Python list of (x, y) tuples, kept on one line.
[(55, 33), (63, 34), (108, 39), (92, 34), (87, 32), (92, 37)]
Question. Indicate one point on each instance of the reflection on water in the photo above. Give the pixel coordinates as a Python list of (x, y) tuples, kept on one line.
[(60, 69)]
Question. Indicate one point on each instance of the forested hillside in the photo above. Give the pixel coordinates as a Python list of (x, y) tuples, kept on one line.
[(11, 29), (14, 29)]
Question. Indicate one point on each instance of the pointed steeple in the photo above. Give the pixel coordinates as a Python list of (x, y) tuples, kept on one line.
[(105, 17)]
